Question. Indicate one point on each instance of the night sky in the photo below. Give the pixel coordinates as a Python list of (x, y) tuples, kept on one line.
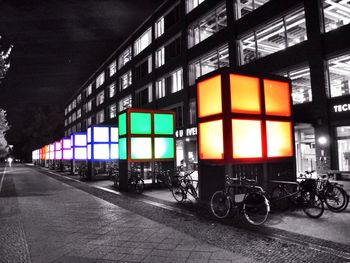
[(57, 46)]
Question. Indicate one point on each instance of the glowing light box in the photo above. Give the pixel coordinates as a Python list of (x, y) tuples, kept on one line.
[(79, 146), (243, 117), (51, 151), (57, 153), (102, 143), (146, 135), (66, 151)]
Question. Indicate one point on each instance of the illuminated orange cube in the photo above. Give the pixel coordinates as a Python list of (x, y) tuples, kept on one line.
[(244, 117)]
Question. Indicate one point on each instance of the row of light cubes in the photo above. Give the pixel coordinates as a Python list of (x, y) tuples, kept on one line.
[(244, 117)]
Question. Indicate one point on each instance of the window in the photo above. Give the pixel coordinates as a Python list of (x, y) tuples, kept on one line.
[(208, 63), (78, 126), (124, 58), (244, 7), (79, 113), (125, 103), (143, 68), (178, 109), (193, 112), (65, 122), (74, 116), (74, 104), (88, 90), (125, 80), (170, 50), (192, 4), (336, 14), (112, 68), (143, 96), (343, 143), (100, 80), (100, 117), (89, 106), (113, 111), (100, 98), (169, 84), (65, 111), (159, 27), (69, 107), (207, 26), (88, 121), (339, 75), (111, 90), (172, 17), (79, 99), (143, 41), (301, 85), (273, 37)]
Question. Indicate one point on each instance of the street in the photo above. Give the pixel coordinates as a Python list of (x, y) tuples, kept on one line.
[(44, 218)]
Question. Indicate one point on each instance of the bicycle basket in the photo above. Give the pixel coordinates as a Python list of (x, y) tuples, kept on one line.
[(308, 184)]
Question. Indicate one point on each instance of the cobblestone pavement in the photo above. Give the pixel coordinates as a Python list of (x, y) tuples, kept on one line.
[(51, 221)]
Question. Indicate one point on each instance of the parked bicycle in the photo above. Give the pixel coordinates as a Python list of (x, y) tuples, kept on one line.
[(244, 196), (304, 197), (331, 193), (165, 178), (183, 185), (135, 182)]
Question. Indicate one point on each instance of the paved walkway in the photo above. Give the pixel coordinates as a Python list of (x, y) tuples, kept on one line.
[(59, 223)]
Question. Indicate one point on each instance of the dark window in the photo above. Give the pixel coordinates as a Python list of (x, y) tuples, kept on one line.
[(179, 114), (142, 97), (143, 69), (173, 49), (172, 17)]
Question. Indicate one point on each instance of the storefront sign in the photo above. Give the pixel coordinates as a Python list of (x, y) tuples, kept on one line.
[(188, 132), (341, 107)]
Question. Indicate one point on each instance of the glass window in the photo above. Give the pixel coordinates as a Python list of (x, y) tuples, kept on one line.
[(159, 27), (143, 68), (207, 26), (301, 85), (343, 143), (88, 121), (111, 90), (160, 57), (74, 116), (100, 80), (208, 63), (113, 111), (74, 104), (143, 41), (100, 117), (178, 109), (169, 84), (273, 37), (124, 58), (125, 80), (112, 68), (89, 105), (170, 50), (79, 113), (339, 75), (336, 14), (100, 98), (244, 7), (88, 90), (193, 112), (125, 103), (79, 99), (192, 4), (143, 96)]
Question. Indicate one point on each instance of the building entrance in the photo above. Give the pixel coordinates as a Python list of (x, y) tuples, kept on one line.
[(305, 147)]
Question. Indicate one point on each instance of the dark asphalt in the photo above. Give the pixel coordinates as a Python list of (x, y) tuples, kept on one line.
[(47, 220)]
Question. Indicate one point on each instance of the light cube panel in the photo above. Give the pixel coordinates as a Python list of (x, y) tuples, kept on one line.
[(277, 98), (279, 139), (141, 148), (209, 97), (211, 140), (102, 143), (79, 146), (66, 151), (140, 123)]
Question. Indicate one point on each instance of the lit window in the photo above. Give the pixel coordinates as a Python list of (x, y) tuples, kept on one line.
[(124, 58), (113, 111), (273, 37), (160, 57), (125, 80), (143, 96), (100, 117), (169, 84), (100, 80), (89, 90), (244, 7), (192, 4), (89, 106), (125, 103), (100, 98), (207, 26), (74, 104), (112, 68), (159, 27), (170, 50), (339, 75), (79, 99), (79, 113), (208, 63), (143, 41), (111, 90), (336, 14)]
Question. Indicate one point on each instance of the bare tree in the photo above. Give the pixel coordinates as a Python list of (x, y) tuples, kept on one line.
[(4, 127), (4, 61)]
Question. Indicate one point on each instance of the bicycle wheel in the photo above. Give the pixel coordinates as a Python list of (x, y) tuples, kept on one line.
[(336, 199), (279, 199), (312, 204), (220, 204), (139, 186), (256, 208), (178, 192)]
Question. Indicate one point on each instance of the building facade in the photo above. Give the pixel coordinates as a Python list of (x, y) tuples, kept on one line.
[(157, 66)]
